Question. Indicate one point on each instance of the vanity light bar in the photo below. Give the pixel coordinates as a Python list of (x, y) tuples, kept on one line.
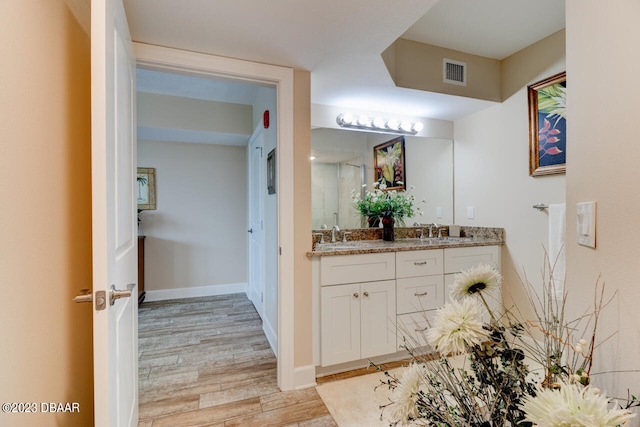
[(378, 124)]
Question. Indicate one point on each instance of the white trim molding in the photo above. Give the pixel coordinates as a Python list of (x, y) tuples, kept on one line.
[(198, 291), (163, 58), (305, 377)]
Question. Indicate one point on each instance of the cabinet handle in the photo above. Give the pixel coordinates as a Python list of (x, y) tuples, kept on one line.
[(421, 295), (421, 329), (419, 263), (366, 294), (356, 295)]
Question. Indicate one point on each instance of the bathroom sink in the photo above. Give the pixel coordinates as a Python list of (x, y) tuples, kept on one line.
[(456, 239), (338, 245)]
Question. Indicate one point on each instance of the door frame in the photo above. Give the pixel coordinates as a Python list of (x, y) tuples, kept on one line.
[(163, 58)]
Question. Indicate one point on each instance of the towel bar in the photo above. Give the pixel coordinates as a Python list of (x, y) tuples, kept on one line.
[(540, 206)]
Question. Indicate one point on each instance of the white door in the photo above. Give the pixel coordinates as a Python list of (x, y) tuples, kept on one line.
[(378, 318), (255, 164), (113, 152)]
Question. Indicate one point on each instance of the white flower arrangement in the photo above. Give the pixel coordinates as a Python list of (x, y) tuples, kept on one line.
[(572, 405), (509, 375), (457, 326)]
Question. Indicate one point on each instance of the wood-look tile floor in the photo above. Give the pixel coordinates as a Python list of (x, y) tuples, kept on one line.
[(206, 362)]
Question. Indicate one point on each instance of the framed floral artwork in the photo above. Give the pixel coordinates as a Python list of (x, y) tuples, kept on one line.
[(548, 126), (146, 188), (388, 163)]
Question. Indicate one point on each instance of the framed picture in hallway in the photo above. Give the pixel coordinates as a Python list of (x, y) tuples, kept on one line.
[(271, 172), (548, 126), (146, 188), (388, 161)]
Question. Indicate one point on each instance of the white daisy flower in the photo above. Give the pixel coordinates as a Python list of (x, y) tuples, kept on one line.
[(457, 325), (482, 278), (573, 406), (406, 394)]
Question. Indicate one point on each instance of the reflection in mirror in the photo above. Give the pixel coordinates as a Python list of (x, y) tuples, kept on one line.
[(344, 162)]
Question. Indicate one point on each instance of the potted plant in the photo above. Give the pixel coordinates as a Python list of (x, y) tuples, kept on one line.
[(385, 206)]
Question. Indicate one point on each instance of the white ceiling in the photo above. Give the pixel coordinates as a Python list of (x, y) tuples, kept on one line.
[(340, 41)]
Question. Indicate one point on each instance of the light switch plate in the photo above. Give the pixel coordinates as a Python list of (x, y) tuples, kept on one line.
[(470, 212), (586, 223)]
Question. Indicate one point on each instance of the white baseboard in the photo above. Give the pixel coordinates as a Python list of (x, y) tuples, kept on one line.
[(198, 291), (272, 336), (304, 377)]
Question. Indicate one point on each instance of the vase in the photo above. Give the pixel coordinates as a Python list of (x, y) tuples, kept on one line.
[(387, 229), (374, 221)]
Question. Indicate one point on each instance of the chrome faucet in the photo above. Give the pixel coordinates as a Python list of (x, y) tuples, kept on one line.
[(333, 233), (321, 237), (431, 229)]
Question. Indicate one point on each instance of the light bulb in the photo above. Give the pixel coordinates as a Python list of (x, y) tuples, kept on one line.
[(347, 119), (406, 125), (378, 122), (363, 120), (418, 126), (393, 124)]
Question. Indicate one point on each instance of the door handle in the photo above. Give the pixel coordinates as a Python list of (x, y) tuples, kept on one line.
[(115, 294), (250, 230)]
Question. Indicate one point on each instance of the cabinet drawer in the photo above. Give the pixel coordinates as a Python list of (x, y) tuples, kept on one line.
[(419, 293), (357, 268), (412, 328), (458, 259), (419, 263)]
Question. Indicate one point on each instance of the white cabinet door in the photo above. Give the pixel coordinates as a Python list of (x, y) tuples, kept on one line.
[(412, 328), (419, 263), (458, 259), (420, 293), (378, 316), (360, 268), (357, 321), (340, 324)]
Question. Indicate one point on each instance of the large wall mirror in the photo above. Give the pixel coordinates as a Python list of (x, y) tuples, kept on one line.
[(343, 162)]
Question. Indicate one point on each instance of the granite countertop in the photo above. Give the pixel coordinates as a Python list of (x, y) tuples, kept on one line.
[(403, 244)]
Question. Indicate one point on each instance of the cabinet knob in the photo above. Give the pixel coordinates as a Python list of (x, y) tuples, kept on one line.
[(366, 294), (356, 295)]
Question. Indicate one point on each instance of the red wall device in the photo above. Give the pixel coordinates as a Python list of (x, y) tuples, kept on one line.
[(265, 119)]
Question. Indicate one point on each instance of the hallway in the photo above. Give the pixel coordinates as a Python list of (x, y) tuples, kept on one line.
[(206, 362)]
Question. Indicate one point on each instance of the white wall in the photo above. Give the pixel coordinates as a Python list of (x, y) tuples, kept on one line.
[(197, 235), (492, 171), (602, 70)]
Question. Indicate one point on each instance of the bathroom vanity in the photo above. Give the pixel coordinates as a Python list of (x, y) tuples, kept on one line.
[(370, 294)]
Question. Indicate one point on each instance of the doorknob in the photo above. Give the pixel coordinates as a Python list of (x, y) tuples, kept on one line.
[(115, 294)]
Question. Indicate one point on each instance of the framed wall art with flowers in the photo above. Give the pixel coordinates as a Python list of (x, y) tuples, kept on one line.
[(548, 125), (388, 161)]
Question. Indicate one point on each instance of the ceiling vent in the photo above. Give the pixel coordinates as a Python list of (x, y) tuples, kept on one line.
[(454, 72)]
